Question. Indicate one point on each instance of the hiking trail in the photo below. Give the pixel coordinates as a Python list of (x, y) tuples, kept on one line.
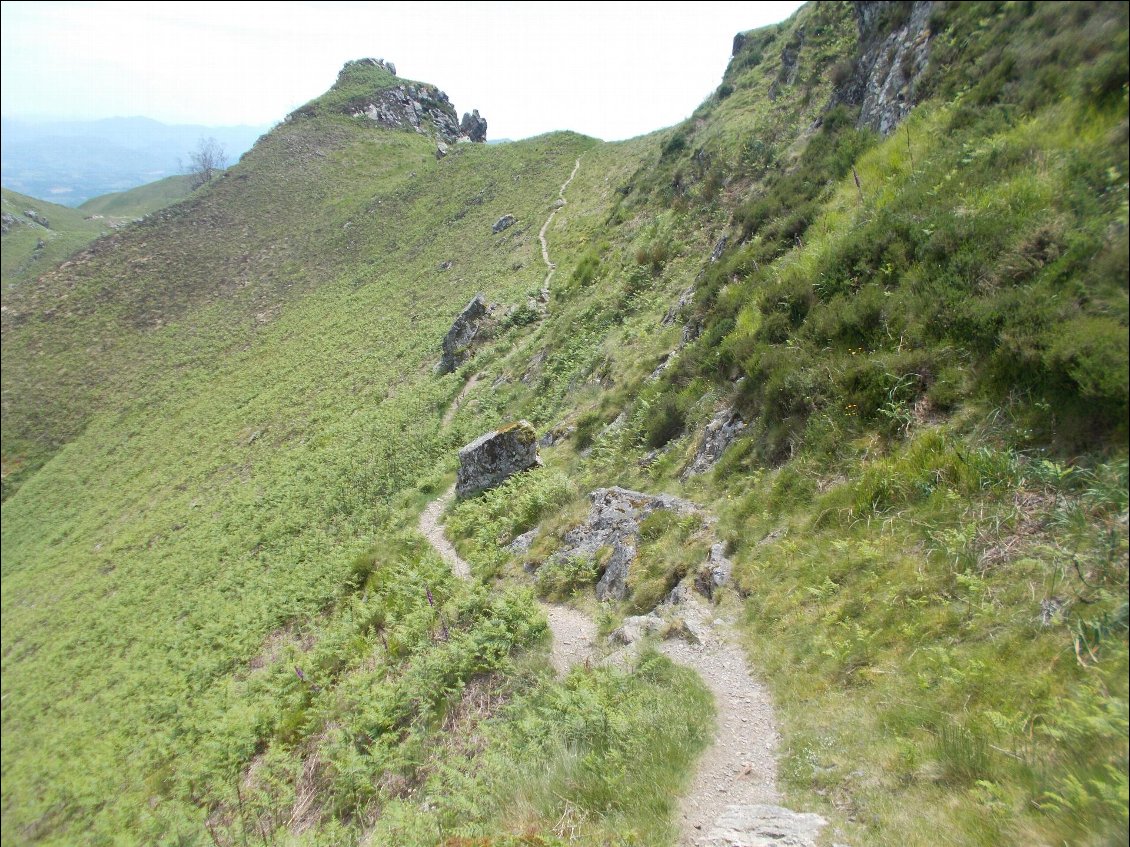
[(732, 799), (558, 204)]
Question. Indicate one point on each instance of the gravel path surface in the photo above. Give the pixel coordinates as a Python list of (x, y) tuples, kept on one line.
[(740, 767)]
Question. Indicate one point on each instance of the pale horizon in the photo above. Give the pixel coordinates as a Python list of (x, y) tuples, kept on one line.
[(611, 71)]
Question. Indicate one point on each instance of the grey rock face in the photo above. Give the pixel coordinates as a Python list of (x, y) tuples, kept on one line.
[(891, 60), (723, 428), (457, 342), (7, 222), (491, 458), (505, 222), (614, 521), (474, 126), (719, 248), (764, 826)]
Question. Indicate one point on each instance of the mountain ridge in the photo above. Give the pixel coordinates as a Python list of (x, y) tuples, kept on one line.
[(230, 425)]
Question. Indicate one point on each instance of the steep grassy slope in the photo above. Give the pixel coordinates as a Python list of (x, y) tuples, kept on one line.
[(141, 201), (230, 423), (257, 409)]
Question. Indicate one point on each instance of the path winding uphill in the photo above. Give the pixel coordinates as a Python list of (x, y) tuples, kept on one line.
[(733, 795), (557, 206), (574, 633)]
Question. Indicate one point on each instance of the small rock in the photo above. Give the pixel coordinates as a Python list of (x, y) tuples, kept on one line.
[(441, 150), (523, 542), (636, 627), (723, 428), (557, 434), (446, 266), (505, 222), (775, 535)]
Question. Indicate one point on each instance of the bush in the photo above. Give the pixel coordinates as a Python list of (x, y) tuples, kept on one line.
[(560, 580), (666, 419)]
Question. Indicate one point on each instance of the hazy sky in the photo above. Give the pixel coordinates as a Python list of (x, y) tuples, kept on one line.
[(612, 70)]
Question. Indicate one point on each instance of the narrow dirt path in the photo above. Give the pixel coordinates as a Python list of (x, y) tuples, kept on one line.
[(431, 530), (740, 767), (733, 797), (457, 403), (558, 204), (573, 632)]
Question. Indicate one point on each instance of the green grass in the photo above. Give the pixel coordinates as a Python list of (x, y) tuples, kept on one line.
[(141, 201), (223, 424), (22, 259)]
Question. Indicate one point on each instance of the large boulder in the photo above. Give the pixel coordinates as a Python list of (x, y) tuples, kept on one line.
[(505, 222), (457, 342), (491, 458)]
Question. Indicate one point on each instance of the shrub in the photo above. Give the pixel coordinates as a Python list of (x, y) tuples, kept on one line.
[(560, 580), (666, 419)]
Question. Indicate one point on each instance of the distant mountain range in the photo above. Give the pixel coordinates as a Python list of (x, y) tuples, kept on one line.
[(69, 162)]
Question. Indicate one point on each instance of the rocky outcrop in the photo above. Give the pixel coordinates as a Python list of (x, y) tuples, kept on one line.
[(764, 826), (394, 103), (473, 126), (37, 218), (7, 222), (719, 249), (614, 521), (457, 344), (505, 222), (421, 108), (723, 428), (491, 458), (894, 49)]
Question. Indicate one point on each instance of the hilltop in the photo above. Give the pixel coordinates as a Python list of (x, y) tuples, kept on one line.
[(858, 326), (141, 201)]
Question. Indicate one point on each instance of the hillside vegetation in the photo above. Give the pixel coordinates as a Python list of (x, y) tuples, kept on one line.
[(221, 423), (141, 201), (34, 244)]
